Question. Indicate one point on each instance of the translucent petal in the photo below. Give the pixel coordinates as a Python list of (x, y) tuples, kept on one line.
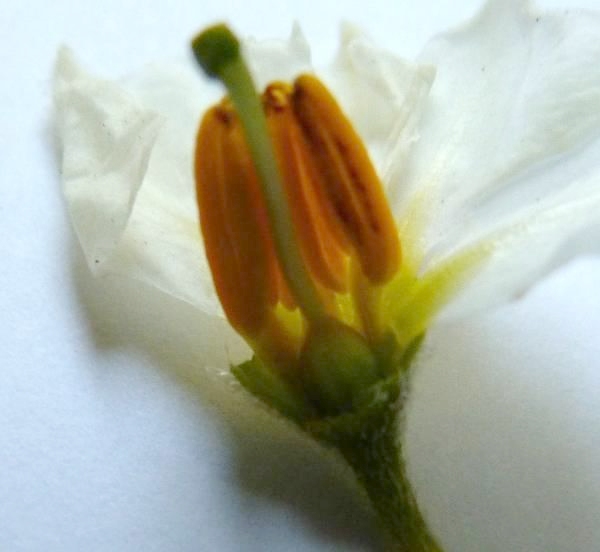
[(382, 93), (112, 138), (273, 60), (509, 147), (128, 180)]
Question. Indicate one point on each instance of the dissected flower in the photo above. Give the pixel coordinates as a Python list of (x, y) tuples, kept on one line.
[(487, 149)]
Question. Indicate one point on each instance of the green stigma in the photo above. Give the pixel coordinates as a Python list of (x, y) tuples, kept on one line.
[(215, 48)]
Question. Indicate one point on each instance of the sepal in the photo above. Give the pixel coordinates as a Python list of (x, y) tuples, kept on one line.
[(272, 389)]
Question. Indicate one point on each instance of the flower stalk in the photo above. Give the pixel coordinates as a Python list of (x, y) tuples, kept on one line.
[(368, 441)]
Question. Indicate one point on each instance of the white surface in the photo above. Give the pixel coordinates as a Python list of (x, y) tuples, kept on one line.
[(104, 447)]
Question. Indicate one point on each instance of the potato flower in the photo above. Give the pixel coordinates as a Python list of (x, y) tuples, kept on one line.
[(347, 209)]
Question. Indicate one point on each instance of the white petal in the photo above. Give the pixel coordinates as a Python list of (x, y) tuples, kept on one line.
[(382, 93), (127, 173), (509, 145), (272, 60), (111, 138)]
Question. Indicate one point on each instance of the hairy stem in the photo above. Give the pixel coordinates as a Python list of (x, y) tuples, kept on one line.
[(369, 441)]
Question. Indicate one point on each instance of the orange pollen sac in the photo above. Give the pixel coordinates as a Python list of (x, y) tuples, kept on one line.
[(348, 179), (338, 208), (233, 221)]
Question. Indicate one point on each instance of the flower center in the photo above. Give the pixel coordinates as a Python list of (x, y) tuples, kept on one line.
[(342, 226)]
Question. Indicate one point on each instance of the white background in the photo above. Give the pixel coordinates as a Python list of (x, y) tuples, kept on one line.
[(105, 445)]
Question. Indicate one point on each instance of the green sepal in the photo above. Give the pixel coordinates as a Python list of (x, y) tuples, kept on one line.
[(268, 386), (337, 366)]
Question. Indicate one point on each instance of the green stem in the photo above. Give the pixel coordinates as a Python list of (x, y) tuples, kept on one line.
[(217, 50), (381, 472), (369, 441)]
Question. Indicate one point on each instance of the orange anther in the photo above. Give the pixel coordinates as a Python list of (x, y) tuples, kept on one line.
[(233, 221), (320, 244), (336, 204), (348, 178)]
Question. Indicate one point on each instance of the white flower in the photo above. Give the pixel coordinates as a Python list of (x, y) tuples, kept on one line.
[(489, 143)]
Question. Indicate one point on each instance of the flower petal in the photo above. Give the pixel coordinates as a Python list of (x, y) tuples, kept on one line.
[(127, 173), (273, 60), (509, 145), (112, 139), (381, 93)]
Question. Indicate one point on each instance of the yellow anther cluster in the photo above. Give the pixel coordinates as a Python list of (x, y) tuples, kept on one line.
[(342, 223)]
